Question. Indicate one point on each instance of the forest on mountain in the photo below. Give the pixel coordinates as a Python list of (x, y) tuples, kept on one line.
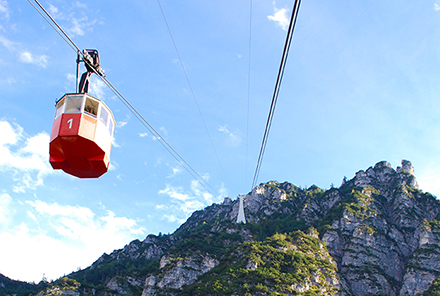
[(377, 234)]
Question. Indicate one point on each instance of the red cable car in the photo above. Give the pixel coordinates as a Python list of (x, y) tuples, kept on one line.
[(82, 131)]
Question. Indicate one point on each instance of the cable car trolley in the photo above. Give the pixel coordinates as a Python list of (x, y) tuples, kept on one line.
[(82, 131)]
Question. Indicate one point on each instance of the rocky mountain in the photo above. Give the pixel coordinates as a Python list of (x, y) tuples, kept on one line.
[(377, 234)]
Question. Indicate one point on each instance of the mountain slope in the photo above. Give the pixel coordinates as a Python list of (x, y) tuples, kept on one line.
[(18, 288), (378, 234)]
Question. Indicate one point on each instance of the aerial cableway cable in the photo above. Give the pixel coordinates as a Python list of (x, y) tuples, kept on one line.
[(55, 26), (277, 89), (192, 91), (248, 91), (132, 109)]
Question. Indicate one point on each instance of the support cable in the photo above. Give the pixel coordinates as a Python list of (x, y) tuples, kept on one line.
[(54, 25), (191, 90), (161, 140), (277, 88), (248, 91), (132, 109)]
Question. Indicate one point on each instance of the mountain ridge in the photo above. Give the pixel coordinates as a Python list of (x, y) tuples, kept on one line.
[(377, 234)]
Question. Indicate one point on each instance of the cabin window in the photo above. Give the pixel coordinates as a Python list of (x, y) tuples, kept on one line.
[(91, 107), (103, 116), (60, 108), (110, 127), (73, 104)]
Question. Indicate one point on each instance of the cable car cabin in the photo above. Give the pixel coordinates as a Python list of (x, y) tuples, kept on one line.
[(81, 137)]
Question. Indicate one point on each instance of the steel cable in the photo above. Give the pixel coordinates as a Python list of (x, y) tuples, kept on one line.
[(277, 89), (248, 91), (192, 91), (137, 114)]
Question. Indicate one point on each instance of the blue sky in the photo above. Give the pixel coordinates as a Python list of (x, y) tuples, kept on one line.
[(361, 85)]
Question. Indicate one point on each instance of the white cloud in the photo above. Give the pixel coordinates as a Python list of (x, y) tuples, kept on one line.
[(66, 237), (198, 189), (428, 180), (113, 166), (153, 137), (223, 190), (4, 9), (24, 56), (115, 144), (175, 193), (37, 146), (119, 177), (42, 208), (437, 5), (53, 10), (233, 140), (10, 45), (31, 215), (27, 157), (280, 17), (71, 77), (16, 47), (9, 135), (76, 26), (80, 5), (5, 210), (9, 80), (174, 171), (79, 26), (122, 123), (172, 218), (29, 58), (183, 203), (164, 131), (36, 249), (97, 87)]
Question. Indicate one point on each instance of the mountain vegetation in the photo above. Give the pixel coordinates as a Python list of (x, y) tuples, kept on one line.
[(18, 288), (377, 234)]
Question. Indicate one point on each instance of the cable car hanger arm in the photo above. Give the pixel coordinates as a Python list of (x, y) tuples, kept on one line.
[(92, 63)]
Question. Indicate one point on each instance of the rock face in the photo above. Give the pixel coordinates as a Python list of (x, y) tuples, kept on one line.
[(378, 245), (179, 272), (377, 234)]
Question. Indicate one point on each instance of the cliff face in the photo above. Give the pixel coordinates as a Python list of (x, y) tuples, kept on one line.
[(377, 234), (384, 242)]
